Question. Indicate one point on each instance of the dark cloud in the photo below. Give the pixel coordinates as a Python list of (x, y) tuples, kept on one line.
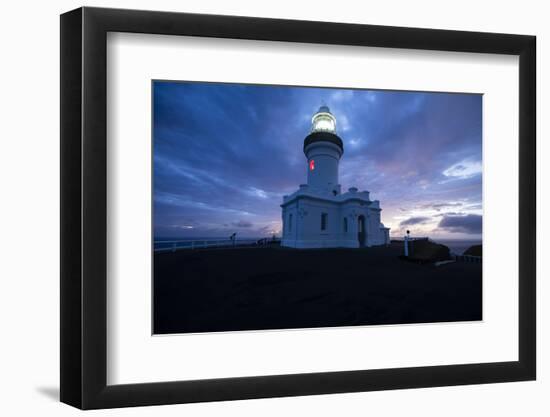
[(242, 223), (224, 152), (471, 223), (440, 206), (450, 213), (415, 220)]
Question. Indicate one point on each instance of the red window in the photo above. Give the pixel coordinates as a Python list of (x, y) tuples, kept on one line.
[(311, 165)]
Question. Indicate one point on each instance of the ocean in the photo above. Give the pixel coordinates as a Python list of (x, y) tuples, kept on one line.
[(458, 246)]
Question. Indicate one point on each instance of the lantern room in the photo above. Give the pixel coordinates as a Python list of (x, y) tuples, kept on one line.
[(323, 121)]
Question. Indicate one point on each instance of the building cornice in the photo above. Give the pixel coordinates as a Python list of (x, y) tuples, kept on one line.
[(344, 200), (320, 136)]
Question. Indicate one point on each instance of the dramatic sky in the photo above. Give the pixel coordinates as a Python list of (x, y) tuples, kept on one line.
[(225, 154)]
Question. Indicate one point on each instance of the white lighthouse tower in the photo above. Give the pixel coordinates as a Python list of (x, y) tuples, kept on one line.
[(323, 150), (318, 214)]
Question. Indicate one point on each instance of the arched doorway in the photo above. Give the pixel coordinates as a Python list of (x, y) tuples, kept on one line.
[(361, 234)]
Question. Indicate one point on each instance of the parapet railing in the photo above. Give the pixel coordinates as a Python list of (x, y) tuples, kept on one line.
[(467, 258), (411, 239), (174, 245), (454, 256)]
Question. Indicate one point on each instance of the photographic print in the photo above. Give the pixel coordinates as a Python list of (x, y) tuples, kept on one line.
[(286, 207)]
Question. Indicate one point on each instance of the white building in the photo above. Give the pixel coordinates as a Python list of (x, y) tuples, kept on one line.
[(318, 214)]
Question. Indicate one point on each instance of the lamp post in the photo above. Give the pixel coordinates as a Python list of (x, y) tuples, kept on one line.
[(406, 242)]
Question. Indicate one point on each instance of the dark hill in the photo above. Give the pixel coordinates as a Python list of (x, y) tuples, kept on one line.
[(425, 251), (258, 288), (475, 250)]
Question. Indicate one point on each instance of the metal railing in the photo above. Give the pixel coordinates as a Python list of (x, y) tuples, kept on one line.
[(468, 258), (455, 256), (174, 245)]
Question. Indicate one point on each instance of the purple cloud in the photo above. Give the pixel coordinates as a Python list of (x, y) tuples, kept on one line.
[(242, 223), (415, 220), (471, 223)]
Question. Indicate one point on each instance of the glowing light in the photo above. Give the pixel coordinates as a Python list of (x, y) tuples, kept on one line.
[(324, 125), (311, 165), (323, 121)]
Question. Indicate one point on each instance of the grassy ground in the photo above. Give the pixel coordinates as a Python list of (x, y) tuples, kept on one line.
[(273, 288)]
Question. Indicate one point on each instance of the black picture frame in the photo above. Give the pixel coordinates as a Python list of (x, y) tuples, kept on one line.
[(84, 207)]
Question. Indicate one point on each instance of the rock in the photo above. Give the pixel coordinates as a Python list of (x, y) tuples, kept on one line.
[(475, 250), (426, 251)]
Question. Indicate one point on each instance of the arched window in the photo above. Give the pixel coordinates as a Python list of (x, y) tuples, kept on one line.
[(290, 222), (345, 224), (324, 217)]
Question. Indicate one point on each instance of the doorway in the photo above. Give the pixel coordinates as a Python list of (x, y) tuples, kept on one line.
[(361, 235)]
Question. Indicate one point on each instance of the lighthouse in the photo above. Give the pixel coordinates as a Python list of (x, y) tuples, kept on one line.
[(319, 214), (323, 150)]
